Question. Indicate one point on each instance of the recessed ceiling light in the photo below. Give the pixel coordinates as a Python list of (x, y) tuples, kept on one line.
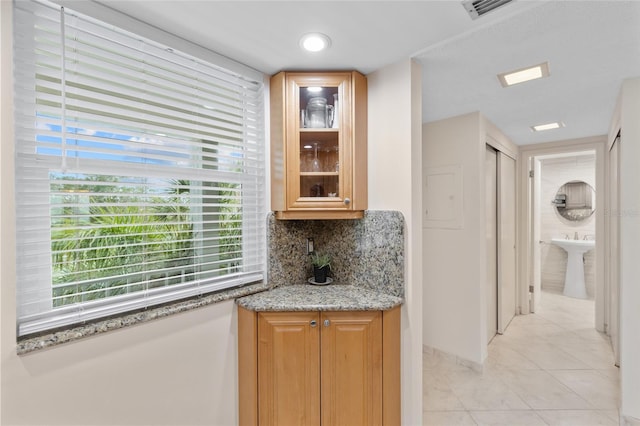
[(314, 89), (548, 126), (315, 42), (307, 147), (525, 74)]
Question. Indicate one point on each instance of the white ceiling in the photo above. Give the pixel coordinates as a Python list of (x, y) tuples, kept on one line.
[(591, 47)]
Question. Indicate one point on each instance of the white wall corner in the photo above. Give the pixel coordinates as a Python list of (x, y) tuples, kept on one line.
[(395, 132), (629, 246), (7, 211)]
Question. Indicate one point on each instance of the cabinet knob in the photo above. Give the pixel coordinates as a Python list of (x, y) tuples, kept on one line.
[(347, 201), (327, 323), (313, 323)]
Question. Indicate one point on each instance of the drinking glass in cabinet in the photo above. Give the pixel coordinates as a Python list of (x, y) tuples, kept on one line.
[(331, 159), (306, 159), (315, 163), (316, 108)]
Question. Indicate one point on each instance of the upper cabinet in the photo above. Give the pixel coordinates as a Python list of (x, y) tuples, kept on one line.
[(319, 145)]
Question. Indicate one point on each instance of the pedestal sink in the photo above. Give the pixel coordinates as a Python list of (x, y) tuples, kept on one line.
[(574, 285)]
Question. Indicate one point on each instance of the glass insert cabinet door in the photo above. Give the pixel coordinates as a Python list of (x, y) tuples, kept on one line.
[(320, 141), (318, 145)]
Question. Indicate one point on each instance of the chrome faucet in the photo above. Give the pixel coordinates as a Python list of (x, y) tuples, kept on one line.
[(575, 237)]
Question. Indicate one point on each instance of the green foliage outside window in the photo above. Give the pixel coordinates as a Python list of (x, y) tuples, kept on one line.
[(110, 238)]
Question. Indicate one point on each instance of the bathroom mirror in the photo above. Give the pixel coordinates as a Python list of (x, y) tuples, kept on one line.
[(575, 200)]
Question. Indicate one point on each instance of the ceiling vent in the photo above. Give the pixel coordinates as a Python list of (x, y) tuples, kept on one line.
[(477, 8)]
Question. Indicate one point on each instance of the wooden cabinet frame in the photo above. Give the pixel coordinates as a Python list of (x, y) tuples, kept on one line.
[(388, 351), (286, 133)]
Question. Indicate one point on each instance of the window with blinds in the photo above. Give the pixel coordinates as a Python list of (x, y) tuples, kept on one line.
[(139, 171)]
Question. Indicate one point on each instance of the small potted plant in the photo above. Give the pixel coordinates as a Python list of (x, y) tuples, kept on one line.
[(321, 266)]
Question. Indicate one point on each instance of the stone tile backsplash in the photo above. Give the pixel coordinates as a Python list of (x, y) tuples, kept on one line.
[(366, 253)]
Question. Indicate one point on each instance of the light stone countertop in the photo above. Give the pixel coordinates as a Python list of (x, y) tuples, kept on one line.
[(307, 297)]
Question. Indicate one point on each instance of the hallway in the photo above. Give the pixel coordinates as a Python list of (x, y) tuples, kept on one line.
[(550, 368)]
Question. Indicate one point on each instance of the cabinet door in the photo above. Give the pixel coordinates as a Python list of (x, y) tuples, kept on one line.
[(288, 368), (351, 345)]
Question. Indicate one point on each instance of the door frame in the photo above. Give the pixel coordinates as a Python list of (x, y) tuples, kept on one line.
[(492, 282), (507, 260), (612, 280), (526, 241)]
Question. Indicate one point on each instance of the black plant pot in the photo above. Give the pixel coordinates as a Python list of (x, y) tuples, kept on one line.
[(320, 274)]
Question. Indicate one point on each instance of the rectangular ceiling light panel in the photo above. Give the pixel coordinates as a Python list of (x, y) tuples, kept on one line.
[(548, 126), (524, 74)]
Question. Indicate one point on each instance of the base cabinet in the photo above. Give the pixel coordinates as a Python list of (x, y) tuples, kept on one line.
[(319, 368)]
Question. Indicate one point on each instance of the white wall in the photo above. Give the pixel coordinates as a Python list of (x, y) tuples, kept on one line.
[(630, 247), (453, 259), (556, 172), (6, 169), (395, 144), (180, 370)]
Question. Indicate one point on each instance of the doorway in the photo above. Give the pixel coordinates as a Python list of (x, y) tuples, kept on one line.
[(531, 237), (564, 227)]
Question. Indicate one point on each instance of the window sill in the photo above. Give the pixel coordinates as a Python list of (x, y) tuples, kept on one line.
[(77, 332)]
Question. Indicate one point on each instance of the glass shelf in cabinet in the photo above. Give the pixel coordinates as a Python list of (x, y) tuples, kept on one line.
[(318, 130), (319, 173)]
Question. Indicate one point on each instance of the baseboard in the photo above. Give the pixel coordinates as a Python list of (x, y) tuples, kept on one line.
[(629, 421), (454, 358)]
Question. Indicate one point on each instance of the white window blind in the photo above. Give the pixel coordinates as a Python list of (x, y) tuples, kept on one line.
[(139, 171)]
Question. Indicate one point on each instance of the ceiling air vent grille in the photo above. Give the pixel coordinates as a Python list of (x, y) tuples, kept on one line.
[(477, 8)]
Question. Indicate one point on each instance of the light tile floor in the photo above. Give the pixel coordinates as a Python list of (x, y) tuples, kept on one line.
[(549, 368)]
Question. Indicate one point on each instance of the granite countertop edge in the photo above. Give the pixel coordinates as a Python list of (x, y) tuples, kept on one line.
[(73, 333), (256, 297), (306, 297)]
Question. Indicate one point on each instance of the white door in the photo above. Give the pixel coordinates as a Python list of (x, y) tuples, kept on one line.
[(614, 264), (491, 167), (506, 240)]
